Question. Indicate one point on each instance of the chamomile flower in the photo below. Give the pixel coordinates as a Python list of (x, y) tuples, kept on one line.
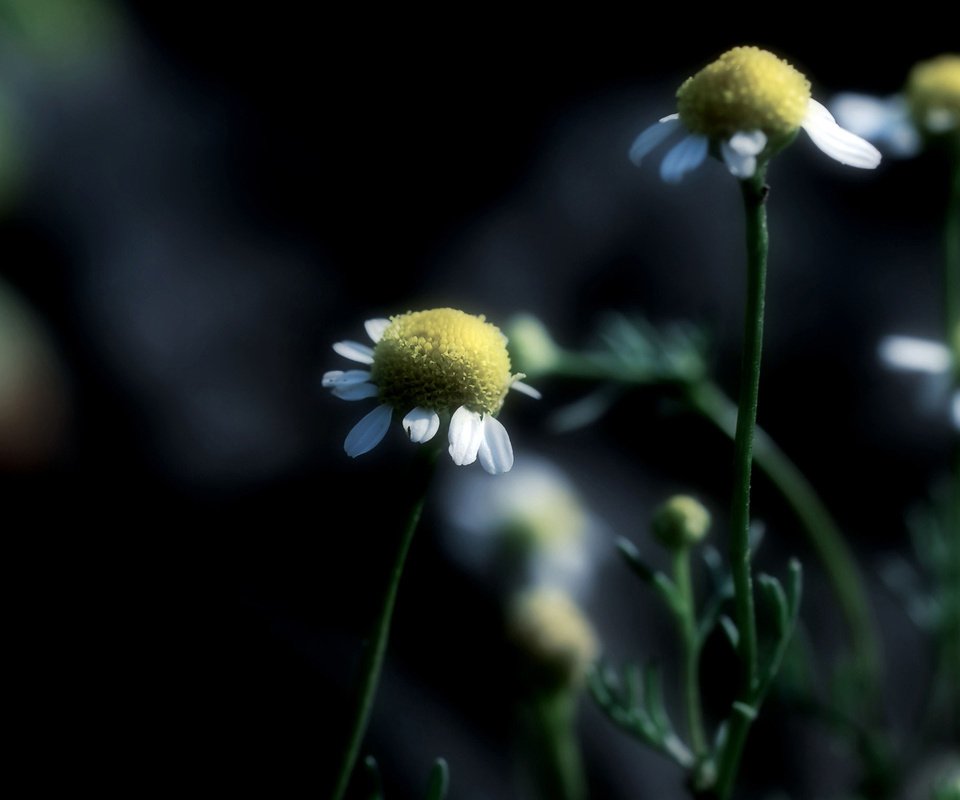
[(530, 528), (928, 107), (745, 107), (554, 633), (431, 366), (932, 360)]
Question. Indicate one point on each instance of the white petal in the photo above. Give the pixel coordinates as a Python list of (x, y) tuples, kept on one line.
[(524, 388), (496, 452), (653, 136), (688, 154), (356, 391), (740, 166), (741, 151), (465, 436), (883, 120), (917, 355), (354, 351), (375, 328), (421, 424), (337, 377), (748, 143), (837, 142), (368, 432), (955, 410)]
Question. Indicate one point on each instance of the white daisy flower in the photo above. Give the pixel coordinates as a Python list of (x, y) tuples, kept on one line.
[(745, 107), (432, 366), (531, 528), (929, 106), (931, 359)]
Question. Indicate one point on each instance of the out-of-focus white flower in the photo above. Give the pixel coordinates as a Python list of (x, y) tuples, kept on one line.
[(526, 528), (928, 106), (933, 361), (553, 632), (745, 107)]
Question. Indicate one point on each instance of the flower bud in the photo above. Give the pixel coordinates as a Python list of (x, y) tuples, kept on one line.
[(681, 521)]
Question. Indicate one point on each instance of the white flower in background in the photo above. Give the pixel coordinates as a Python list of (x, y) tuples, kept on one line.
[(745, 107), (554, 633), (527, 528), (934, 361), (432, 366), (929, 106)]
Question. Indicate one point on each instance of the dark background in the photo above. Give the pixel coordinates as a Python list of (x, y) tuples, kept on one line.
[(207, 199)]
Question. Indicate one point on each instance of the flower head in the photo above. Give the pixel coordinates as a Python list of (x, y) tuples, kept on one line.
[(531, 527), (933, 93), (928, 107), (554, 633), (428, 365), (746, 106), (680, 522)]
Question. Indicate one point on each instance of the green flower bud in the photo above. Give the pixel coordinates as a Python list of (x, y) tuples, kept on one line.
[(681, 521)]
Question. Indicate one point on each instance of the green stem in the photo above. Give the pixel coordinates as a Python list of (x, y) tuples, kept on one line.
[(375, 647), (824, 534), (556, 749), (690, 643), (754, 199)]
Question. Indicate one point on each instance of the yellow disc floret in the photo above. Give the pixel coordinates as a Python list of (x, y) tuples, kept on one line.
[(746, 89), (442, 359), (933, 92), (554, 633)]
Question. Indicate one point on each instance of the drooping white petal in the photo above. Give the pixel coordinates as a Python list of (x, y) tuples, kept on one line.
[(375, 328), (354, 351), (838, 143), (916, 355), (465, 436), (356, 391), (526, 389), (496, 452), (653, 136), (955, 410), (684, 156), (883, 120), (368, 432), (741, 150), (337, 377), (421, 424)]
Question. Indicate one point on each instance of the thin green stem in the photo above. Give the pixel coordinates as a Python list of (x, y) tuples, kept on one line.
[(754, 199), (375, 647), (557, 752), (825, 537), (690, 644)]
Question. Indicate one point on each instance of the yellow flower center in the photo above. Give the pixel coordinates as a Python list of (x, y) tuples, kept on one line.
[(933, 92), (442, 359), (745, 89), (554, 632)]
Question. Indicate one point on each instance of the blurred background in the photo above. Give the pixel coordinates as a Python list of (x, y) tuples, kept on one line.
[(195, 204)]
